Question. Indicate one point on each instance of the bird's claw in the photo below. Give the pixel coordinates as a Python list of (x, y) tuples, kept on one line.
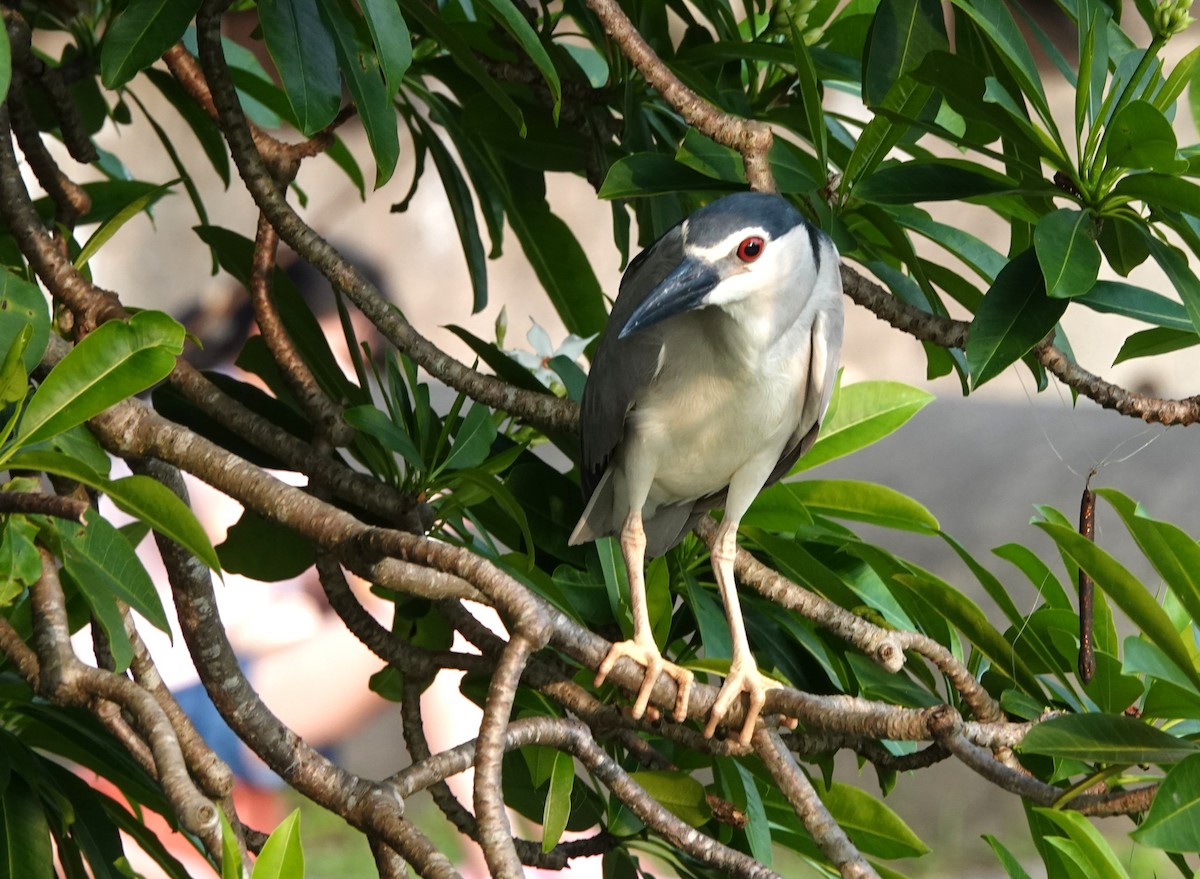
[(648, 655), (754, 684)]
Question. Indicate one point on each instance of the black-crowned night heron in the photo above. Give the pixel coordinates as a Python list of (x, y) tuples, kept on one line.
[(709, 382)]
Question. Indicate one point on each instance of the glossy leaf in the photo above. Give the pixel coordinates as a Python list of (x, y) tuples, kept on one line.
[(303, 51), (994, 20), (24, 832), (644, 174), (911, 182), (462, 207), (23, 305), (1174, 554), (1139, 136), (513, 21), (1161, 190), (231, 852), (865, 413), (902, 34), (112, 224), (557, 811), (142, 31), (282, 856), (464, 56), (114, 362), (1105, 738), (1173, 822), (1125, 591), (5, 65), (473, 440), (1149, 343), (365, 79), (843, 499), (1097, 854), (873, 827), (1015, 315), (1067, 252), (678, 792), (393, 44), (265, 551), (105, 567), (1114, 297), (1012, 867)]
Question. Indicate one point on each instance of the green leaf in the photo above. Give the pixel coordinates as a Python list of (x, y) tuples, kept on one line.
[(264, 550), (678, 792), (842, 499), (304, 54), (393, 44), (1105, 738), (112, 224), (14, 378), (473, 440), (114, 362), (865, 413), (1179, 273), (902, 33), (1097, 854), (1174, 554), (105, 567), (1150, 343), (140, 34), (231, 852), (1015, 315), (513, 21), (462, 207), (1126, 591), (375, 423), (1139, 136), (904, 101), (463, 54), (1168, 191), (874, 828), (994, 20), (282, 856), (645, 174), (1011, 865), (5, 64), (1067, 252), (22, 304), (906, 183), (810, 94), (1173, 822), (558, 800), (24, 833), (561, 265), (1115, 297), (365, 79)]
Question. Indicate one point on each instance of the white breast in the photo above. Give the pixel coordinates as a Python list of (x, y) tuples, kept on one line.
[(728, 404)]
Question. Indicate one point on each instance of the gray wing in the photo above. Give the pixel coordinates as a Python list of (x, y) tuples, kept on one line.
[(622, 367)]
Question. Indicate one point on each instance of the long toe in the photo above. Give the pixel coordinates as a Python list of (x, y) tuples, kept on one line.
[(648, 656), (741, 680)]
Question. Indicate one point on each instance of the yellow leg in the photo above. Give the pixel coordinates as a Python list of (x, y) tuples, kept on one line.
[(642, 648)]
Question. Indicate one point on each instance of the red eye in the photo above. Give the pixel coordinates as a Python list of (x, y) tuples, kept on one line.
[(750, 249)]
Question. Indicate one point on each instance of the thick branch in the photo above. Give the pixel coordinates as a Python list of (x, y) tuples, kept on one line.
[(821, 826)]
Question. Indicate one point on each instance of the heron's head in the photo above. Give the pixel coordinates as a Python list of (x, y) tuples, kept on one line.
[(749, 246)]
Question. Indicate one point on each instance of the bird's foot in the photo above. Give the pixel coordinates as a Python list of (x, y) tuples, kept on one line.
[(742, 678), (649, 656)]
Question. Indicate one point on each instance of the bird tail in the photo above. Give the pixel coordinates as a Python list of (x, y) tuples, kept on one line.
[(597, 519)]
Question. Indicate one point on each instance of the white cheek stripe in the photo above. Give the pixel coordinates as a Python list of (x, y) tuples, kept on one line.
[(726, 245)]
